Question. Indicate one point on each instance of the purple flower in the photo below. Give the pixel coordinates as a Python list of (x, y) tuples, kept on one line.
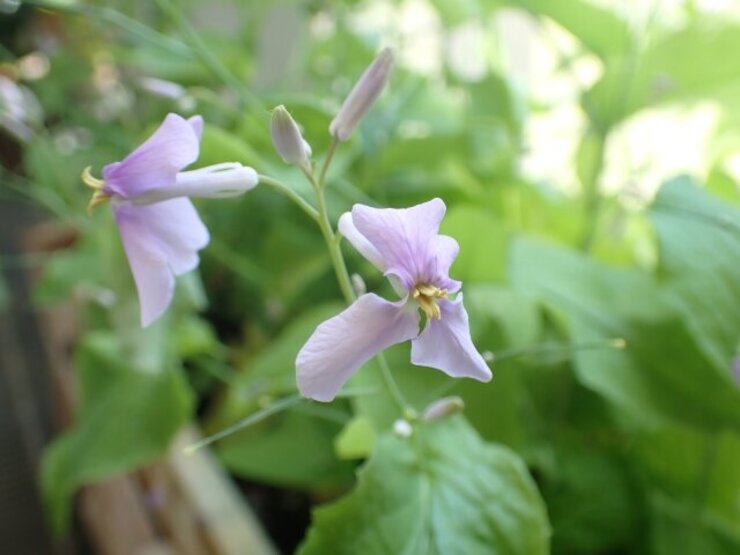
[(160, 229), (406, 246)]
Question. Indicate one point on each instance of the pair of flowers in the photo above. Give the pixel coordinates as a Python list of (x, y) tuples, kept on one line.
[(162, 233)]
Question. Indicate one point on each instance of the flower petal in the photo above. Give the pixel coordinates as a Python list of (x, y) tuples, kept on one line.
[(156, 162), (446, 250), (161, 241), (364, 247), (445, 344), (404, 238), (345, 342), (196, 122)]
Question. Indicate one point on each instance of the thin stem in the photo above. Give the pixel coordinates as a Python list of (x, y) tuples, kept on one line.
[(340, 268), (292, 195), (327, 162), (253, 418), (330, 237), (335, 253), (593, 199), (617, 344), (390, 383)]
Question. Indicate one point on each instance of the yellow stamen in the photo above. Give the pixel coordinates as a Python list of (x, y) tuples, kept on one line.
[(91, 181), (99, 197), (427, 295)]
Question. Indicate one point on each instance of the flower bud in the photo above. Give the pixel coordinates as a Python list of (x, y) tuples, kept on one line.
[(226, 180), (362, 96), (402, 428), (287, 138), (358, 284), (442, 408)]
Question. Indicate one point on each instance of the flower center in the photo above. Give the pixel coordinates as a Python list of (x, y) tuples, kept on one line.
[(427, 296), (99, 196)]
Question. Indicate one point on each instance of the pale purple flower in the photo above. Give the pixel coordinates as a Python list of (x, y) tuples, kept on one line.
[(160, 229), (406, 246)]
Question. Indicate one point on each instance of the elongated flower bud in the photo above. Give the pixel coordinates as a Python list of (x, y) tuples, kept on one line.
[(226, 180), (362, 96), (287, 138), (442, 408)]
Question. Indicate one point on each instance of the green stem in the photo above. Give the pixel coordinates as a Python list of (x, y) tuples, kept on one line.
[(335, 253), (340, 268), (592, 195), (390, 384), (542, 349), (327, 162), (292, 195), (254, 418)]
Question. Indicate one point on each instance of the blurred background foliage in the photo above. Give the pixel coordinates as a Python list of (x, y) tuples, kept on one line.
[(589, 156)]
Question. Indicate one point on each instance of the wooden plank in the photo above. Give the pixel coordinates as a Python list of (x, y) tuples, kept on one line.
[(231, 526), (116, 519), (180, 505)]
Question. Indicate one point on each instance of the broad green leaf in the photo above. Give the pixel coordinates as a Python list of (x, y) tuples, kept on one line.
[(698, 468), (356, 439), (292, 449), (269, 451), (598, 29), (699, 238), (586, 516), (272, 370), (504, 317), (678, 528), (219, 145), (441, 492), (128, 417), (479, 260), (690, 63), (662, 375)]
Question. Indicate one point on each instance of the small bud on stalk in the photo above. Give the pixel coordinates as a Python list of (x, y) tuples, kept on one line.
[(287, 138), (362, 96), (402, 428), (442, 408)]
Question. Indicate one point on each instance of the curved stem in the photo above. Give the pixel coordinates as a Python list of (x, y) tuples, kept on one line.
[(390, 383), (340, 268), (335, 253), (292, 195)]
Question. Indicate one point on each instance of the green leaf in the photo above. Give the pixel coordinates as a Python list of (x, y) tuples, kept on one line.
[(662, 375), (272, 370), (687, 64), (442, 491), (678, 528), (699, 238), (127, 418), (587, 517), (599, 30), (356, 439), (478, 260), (269, 451), (290, 449), (699, 469)]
